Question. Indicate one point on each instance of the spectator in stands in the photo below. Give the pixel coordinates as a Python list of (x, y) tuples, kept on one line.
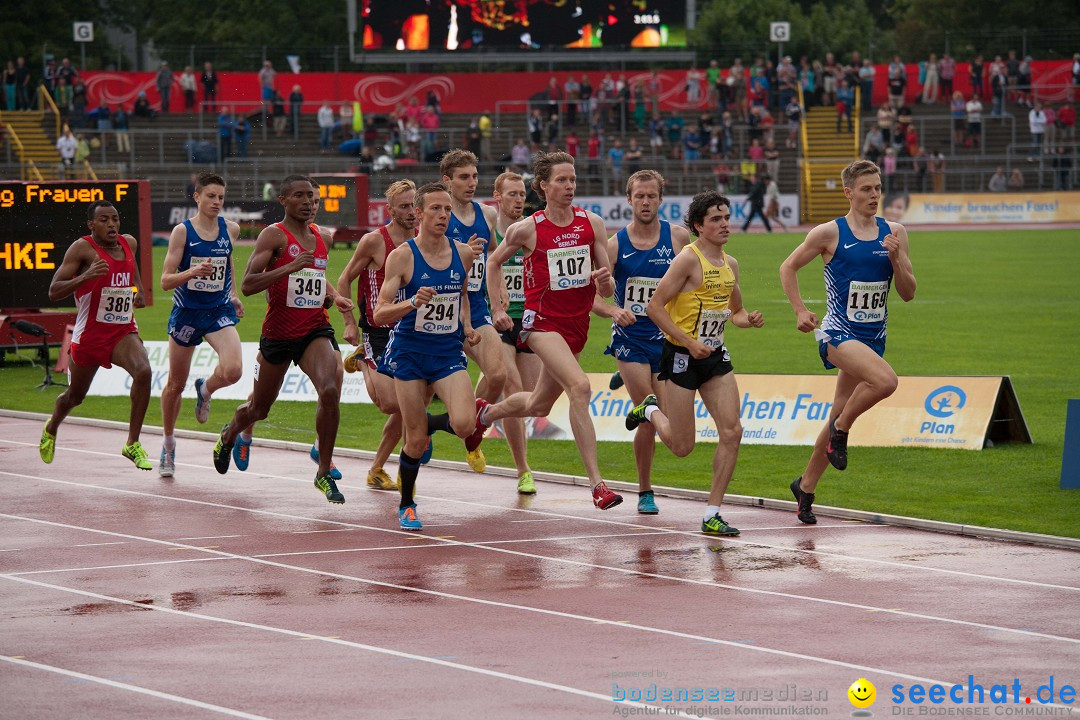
[(998, 84), (691, 147), (771, 155), (429, 124), (433, 101), (551, 130), (930, 81), (62, 97), (82, 153), (142, 107), (767, 124), (164, 82), (641, 108), (998, 181), (1037, 127), (120, 127), (586, 106), (267, 78), (936, 168), (828, 80), (675, 125), (1016, 180), (693, 85), (572, 95), (911, 141), (874, 145), (296, 105), (866, 84), (573, 145), (9, 86), (656, 133), (897, 82), (756, 154), (210, 84), (616, 155), (772, 201), (103, 120), (976, 72), (974, 109), (486, 133), (755, 198), (225, 133), (78, 103), (886, 117), (472, 137), (1023, 83), (1050, 135), (1062, 163), (1066, 116), (793, 113), (815, 79), (947, 72), (345, 121), (412, 138), (958, 111), (242, 130), (632, 158), (519, 154), (845, 104), (888, 168), (920, 165), (721, 173), (1075, 75), (281, 118), (325, 118), (592, 152), (49, 75), (553, 95), (67, 71), (22, 83), (188, 85), (787, 78), (536, 126), (1012, 71), (66, 145), (737, 85)]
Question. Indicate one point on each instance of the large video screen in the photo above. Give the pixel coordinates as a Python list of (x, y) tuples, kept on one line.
[(521, 24)]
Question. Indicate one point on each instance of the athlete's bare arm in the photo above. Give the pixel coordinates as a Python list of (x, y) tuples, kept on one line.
[(601, 274), (268, 246), (140, 297), (739, 315), (680, 238), (903, 273), (519, 236), (234, 235), (681, 276), (170, 279), (80, 264), (368, 253), (819, 242), (603, 308), (399, 266), (466, 253)]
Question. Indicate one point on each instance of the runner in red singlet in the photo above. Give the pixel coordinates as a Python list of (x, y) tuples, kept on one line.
[(566, 264), (289, 263), (100, 270)]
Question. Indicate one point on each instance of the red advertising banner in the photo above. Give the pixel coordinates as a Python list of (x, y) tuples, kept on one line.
[(477, 92)]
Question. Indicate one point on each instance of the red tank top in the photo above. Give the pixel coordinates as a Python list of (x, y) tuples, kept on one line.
[(106, 304), (294, 305), (558, 272), (371, 283)]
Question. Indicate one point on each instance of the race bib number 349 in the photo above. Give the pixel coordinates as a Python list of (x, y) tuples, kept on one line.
[(866, 301), (569, 268), (307, 288)]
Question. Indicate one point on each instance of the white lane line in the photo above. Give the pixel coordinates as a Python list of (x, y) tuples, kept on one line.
[(538, 521), (609, 520), (576, 563), (13, 550), (346, 643), (437, 661), (121, 542), (819, 528), (211, 537), (313, 532), (133, 688)]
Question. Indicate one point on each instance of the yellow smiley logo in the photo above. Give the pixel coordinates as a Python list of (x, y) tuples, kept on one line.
[(862, 693)]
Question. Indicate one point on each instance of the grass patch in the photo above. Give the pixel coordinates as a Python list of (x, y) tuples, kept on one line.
[(988, 303)]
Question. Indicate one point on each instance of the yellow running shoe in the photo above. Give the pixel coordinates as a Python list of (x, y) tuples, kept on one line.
[(353, 360), (378, 479), (47, 446), (136, 454), (476, 460), (526, 485)]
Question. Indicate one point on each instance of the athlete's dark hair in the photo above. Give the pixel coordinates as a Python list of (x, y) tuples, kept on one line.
[(208, 178), (545, 161), (290, 179), (92, 210), (700, 206), (423, 190)]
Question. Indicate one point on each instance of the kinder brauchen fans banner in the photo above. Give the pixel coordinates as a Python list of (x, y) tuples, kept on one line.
[(987, 208), (943, 412)]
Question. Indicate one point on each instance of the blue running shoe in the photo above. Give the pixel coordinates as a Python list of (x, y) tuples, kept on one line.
[(426, 456), (334, 472), (241, 452), (646, 504), (407, 518), (202, 407)]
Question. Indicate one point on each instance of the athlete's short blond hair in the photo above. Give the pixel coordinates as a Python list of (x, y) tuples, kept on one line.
[(856, 170), (644, 176), (397, 187), (505, 178)]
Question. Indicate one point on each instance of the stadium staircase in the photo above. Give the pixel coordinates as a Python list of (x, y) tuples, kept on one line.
[(35, 150), (826, 153)]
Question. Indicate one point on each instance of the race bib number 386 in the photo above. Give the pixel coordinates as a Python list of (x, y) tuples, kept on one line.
[(569, 268), (866, 301), (115, 305), (307, 288)]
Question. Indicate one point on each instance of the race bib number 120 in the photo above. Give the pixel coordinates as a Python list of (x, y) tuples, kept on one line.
[(711, 327)]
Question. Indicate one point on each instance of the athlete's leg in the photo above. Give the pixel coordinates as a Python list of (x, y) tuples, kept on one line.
[(514, 428), (819, 461), (489, 356), (267, 384), (721, 398), (179, 366), (640, 382), (130, 354), (226, 343), (78, 385), (674, 419), (321, 362), (877, 379)]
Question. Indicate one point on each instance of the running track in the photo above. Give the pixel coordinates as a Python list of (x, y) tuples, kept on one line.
[(123, 595)]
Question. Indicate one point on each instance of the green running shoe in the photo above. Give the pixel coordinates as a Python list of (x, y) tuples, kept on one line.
[(222, 452), (716, 525), (47, 446), (526, 485), (637, 416), (329, 488), (136, 454)]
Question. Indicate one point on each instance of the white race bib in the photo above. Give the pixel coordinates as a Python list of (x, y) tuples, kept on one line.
[(711, 327), (569, 268), (212, 283), (866, 301), (477, 272), (514, 277), (115, 305), (440, 315), (307, 288), (639, 291)]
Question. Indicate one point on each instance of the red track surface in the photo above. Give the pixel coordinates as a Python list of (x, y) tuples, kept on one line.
[(123, 595)]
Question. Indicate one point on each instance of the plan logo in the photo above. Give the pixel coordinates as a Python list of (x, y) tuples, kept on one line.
[(945, 401)]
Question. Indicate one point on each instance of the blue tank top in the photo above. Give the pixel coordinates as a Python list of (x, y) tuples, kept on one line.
[(210, 292), (435, 328), (637, 273), (857, 282), (459, 231)]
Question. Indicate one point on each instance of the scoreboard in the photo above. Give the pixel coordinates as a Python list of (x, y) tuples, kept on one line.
[(343, 200), (39, 221)]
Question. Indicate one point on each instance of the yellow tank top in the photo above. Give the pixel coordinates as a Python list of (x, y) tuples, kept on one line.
[(703, 313)]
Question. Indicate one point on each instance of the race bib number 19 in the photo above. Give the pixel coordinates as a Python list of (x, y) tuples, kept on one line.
[(211, 283), (866, 301), (307, 288), (476, 273), (440, 315), (115, 305), (569, 268)]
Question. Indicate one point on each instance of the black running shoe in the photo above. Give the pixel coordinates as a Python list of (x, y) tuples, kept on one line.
[(636, 416), (806, 501), (222, 452), (329, 488), (836, 450), (616, 381)]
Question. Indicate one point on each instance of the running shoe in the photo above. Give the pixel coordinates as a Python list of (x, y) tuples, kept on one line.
[(476, 460), (353, 360), (805, 501), (202, 407), (378, 478), (47, 445), (836, 450), (334, 472), (136, 454), (329, 488), (222, 452), (604, 498), (473, 441), (646, 503), (526, 485), (637, 415), (716, 525), (407, 518), (241, 453), (425, 457), (616, 381), (167, 463)]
